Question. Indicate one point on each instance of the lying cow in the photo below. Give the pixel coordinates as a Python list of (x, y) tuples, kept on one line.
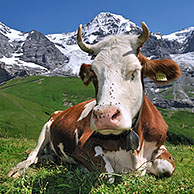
[(120, 130)]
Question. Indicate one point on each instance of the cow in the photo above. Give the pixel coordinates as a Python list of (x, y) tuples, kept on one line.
[(120, 130)]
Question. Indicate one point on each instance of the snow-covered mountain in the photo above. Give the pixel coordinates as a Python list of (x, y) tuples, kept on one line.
[(179, 36), (102, 25), (29, 53)]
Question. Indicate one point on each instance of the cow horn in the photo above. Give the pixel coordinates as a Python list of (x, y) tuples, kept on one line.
[(144, 35), (85, 47)]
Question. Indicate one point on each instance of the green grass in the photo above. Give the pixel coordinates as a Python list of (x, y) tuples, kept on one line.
[(61, 178), (179, 122), (24, 101), (47, 91)]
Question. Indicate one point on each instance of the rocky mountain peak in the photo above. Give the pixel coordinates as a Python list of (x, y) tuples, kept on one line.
[(108, 19), (189, 43), (4, 29), (105, 24), (40, 50)]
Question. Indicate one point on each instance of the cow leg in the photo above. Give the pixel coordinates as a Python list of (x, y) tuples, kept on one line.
[(47, 154), (139, 163), (94, 159), (43, 140), (108, 166), (162, 164)]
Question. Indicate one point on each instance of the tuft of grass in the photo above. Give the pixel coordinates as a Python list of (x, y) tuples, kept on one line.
[(56, 178)]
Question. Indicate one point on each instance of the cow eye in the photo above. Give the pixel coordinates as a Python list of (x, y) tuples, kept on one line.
[(133, 74)]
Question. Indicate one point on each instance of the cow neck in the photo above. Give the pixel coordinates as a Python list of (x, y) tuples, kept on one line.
[(132, 138)]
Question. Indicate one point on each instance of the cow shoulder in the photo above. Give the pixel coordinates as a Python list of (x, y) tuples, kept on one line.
[(72, 126), (73, 114)]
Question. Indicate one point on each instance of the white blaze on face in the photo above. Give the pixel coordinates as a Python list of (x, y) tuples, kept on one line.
[(118, 71)]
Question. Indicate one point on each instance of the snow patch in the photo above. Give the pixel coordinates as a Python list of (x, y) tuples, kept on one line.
[(15, 61), (186, 59), (12, 34), (179, 36)]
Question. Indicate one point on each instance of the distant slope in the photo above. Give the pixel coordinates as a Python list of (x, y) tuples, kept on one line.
[(180, 122), (26, 102), (20, 117), (25, 105)]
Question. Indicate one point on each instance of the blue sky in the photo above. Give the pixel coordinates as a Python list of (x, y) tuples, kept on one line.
[(58, 16)]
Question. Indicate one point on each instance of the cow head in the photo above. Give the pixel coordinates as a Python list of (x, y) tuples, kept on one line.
[(117, 73)]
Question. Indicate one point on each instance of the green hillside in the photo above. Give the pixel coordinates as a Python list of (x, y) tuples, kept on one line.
[(25, 105), (26, 102)]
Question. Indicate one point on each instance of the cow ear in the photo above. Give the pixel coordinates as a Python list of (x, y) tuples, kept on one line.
[(85, 74), (161, 71)]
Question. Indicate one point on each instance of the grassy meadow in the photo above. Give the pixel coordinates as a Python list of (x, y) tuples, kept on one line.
[(25, 105)]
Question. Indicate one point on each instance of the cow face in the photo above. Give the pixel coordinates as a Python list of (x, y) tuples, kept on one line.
[(116, 75), (120, 91)]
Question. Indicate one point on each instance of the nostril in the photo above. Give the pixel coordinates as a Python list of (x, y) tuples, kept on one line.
[(95, 115), (117, 114)]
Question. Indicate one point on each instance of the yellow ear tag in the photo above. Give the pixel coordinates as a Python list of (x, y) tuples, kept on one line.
[(86, 78), (161, 77)]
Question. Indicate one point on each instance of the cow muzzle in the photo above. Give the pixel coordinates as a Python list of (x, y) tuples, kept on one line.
[(106, 120)]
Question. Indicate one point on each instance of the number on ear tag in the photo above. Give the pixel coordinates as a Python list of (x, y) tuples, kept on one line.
[(161, 77)]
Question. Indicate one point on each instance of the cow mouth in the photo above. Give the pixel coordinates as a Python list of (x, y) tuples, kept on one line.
[(111, 131)]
